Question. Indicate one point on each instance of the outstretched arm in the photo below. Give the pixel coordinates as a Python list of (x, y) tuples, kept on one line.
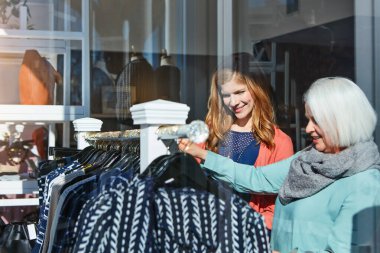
[(247, 178), (244, 178)]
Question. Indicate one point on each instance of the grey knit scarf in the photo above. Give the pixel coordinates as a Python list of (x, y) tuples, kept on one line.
[(313, 170)]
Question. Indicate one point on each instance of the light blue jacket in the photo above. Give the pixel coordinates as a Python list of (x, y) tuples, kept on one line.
[(340, 218)]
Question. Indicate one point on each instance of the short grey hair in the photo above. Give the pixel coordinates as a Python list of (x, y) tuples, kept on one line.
[(342, 111)]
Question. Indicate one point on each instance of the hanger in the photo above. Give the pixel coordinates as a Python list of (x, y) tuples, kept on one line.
[(181, 170), (155, 168), (90, 157), (131, 157)]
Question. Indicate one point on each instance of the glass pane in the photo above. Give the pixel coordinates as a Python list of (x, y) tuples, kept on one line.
[(33, 72), (299, 42), (41, 15), (66, 15)]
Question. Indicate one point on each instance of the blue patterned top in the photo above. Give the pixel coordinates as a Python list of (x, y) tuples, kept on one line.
[(241, 147)]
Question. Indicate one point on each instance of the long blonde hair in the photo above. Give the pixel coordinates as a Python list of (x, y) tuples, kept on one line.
[(220, 119)]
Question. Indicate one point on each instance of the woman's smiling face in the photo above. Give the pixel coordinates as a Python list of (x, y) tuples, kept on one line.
[(238, 99)]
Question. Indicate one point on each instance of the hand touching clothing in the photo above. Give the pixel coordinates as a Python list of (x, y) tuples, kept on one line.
[(186, 146)]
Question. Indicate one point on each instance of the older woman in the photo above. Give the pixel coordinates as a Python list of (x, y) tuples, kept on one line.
[(323, 188)]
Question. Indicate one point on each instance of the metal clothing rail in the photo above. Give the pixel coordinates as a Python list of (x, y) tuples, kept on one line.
[(197, 131)]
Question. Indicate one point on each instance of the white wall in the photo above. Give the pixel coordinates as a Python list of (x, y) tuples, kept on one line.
[(9, 68)]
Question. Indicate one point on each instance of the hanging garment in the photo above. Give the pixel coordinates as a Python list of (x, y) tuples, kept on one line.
[(188, 220), (111, 208), (167, 80), (62, 236), (46, 186), (117, 220), (99, 79), (37, 78), (72, 204), (132, 215), (138, 73)]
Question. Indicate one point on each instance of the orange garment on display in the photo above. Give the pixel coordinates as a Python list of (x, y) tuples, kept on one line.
[(37, 78)]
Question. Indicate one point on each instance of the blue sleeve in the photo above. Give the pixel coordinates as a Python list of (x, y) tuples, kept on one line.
[(356, 226), (247, 178)]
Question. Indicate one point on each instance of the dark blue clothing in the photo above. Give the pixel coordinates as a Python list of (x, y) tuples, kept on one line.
[(118, 219), (189, 220), (116, 210), (44, 208), (241, 147), (75, 201), (68, 215)]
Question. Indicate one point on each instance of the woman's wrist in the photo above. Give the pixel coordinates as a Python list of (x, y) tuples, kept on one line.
[(202, 154)]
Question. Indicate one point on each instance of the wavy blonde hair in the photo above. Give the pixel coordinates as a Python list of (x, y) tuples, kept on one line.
[(220, 119)]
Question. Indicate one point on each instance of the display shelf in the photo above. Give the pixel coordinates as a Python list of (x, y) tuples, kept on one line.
[(55, 35), (19, 202), (41, 45), (50, 43), (19, 187), (33, 34), (41, 113)]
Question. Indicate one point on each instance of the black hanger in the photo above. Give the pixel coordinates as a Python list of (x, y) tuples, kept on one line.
[(83, 154), (90, 157), (131, 158), (131, 163), (181, 170), (156, 167)]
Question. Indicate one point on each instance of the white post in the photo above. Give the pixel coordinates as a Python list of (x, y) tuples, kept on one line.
[(150, 116), (83, 125)]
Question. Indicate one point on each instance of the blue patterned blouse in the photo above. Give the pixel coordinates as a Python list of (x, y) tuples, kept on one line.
[(241, 147)]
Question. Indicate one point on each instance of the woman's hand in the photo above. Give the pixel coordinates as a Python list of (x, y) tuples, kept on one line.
[(185, 145)]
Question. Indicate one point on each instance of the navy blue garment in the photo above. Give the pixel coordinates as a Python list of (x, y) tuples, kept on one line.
[(67, 232), (118, 219), (44, 208), (189, 220), (241, 147), (44, 168), (117, 211), (75, 197)]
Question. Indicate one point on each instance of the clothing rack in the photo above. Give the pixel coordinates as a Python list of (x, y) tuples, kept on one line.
[(196, 131), (159, 120)]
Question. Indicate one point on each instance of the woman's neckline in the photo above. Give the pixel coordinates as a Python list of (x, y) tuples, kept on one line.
[(241, 132)]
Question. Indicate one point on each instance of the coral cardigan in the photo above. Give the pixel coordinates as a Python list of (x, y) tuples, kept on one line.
[(264, 203)]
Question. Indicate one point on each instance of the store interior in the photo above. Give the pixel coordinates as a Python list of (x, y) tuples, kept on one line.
[(100, 58)]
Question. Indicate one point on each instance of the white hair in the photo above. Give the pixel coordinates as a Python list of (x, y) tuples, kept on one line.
[(342, 111)]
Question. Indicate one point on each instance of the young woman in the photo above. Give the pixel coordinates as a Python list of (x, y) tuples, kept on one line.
[(242, 126), (329, 192)]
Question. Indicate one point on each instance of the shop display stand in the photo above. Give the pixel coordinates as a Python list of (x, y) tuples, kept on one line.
[(49, 43), (19, 187), (150, 116)]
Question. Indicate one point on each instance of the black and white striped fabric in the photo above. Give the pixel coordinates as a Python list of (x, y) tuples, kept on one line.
[(192, 221), (118, 220), (130, 216)]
